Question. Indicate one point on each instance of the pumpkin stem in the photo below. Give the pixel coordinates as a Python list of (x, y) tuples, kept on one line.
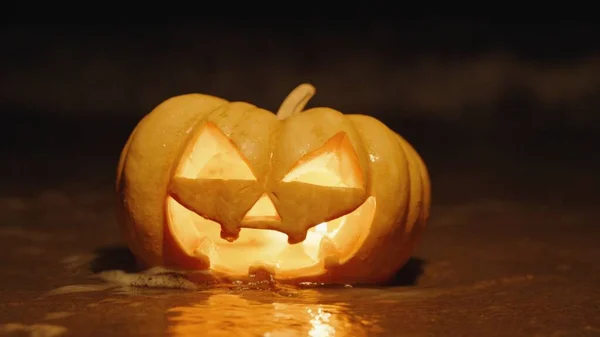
[(296, 101)]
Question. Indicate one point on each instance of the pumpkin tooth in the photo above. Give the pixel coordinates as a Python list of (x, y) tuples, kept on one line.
[(262, 271), (328, 252), (206, 250), (229, 235)]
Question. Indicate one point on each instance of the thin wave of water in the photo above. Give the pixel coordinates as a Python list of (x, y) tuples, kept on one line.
[(170, 279), (259, 308)]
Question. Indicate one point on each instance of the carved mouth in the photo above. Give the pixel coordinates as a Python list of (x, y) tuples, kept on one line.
[(327, 244)]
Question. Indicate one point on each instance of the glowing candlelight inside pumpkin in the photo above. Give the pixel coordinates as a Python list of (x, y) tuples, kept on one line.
[(308, 195)]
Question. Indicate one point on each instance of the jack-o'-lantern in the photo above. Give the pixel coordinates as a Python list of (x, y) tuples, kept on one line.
[(308, 196)]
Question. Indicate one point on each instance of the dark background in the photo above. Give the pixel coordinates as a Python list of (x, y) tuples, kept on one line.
[(464, 92)]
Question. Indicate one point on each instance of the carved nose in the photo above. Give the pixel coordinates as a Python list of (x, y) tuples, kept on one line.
[(263, 210)]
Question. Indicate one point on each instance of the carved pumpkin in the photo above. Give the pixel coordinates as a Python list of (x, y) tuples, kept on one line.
[(315, 195)]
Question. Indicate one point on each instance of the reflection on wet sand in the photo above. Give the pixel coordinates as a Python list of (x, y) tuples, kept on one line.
[(233, 315)]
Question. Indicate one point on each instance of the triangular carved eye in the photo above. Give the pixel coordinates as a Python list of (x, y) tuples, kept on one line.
[(334, 164), (212, 155)]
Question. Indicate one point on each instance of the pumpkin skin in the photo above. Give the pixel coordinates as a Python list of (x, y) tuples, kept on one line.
[(195, 168)]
